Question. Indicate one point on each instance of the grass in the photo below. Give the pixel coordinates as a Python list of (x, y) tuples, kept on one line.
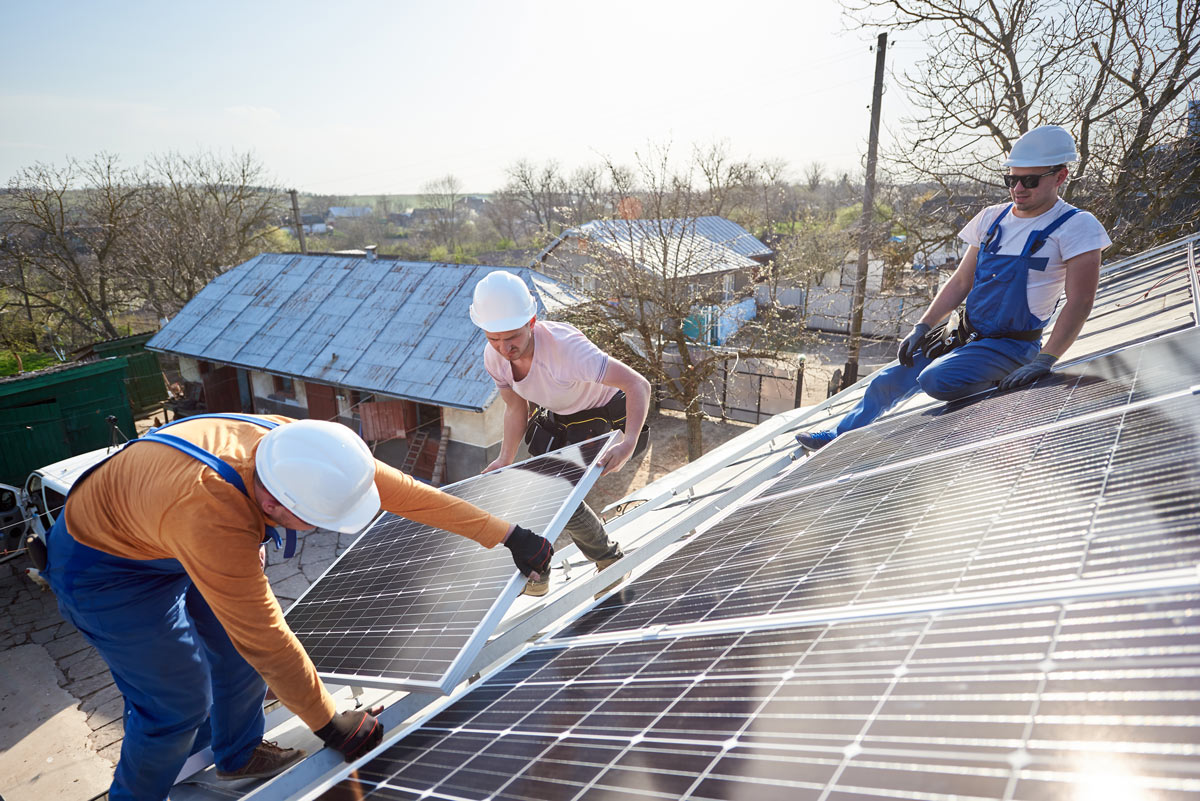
[(31, 361)]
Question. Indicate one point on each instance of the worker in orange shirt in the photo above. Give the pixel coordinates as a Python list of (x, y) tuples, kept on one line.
[(156, 560)]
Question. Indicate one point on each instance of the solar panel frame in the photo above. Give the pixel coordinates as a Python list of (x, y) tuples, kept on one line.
[(354, 583)]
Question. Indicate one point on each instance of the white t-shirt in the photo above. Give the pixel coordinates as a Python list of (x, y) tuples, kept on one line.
[(566, 371), (1081, 233)]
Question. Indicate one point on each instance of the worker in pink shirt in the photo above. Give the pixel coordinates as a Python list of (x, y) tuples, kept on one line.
[(580, 392)]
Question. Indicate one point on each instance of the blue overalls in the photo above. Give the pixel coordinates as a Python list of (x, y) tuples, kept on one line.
[(185, 685), (997, 304)]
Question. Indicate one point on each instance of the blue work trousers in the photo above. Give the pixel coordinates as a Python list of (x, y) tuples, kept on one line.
[(185, 685), (972, 368)]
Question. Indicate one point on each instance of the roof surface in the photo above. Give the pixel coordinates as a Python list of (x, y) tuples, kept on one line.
[(693, 246), (375, 325)]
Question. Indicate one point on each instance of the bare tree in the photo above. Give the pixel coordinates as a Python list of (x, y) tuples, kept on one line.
[(506, 214), (540, 191), (443, 196), (727, 180), (1115, 72), (587, 195), (63, 230), (196, 216), (814, 175), (648, 277), (89, 245)]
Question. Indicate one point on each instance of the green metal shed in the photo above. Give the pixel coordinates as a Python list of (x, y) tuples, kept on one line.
[(58, 412), (146, 386)]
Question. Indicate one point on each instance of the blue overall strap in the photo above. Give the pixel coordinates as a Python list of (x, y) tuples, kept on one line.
[(244, 418), (200, 455), (992, 230), (223, 469), (1038, 238)]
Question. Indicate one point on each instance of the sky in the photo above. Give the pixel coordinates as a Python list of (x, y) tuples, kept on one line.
[(376, 97)]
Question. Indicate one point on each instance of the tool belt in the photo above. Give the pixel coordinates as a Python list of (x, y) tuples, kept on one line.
[(548, 431), (957, 331)]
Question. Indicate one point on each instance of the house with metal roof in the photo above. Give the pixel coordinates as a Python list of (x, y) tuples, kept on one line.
[(711, 252), (384, 346)]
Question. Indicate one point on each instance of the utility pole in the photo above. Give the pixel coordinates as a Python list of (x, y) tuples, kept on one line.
[(850, 374), (296, 219)]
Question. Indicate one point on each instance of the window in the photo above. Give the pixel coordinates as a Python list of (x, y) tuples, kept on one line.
[(284, 386)]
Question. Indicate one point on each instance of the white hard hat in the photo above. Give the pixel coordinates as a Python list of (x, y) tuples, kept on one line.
[(1044, 146), (321, 472), (502, 303)]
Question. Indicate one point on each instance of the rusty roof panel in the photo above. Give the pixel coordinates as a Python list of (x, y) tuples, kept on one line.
[(376, 325)]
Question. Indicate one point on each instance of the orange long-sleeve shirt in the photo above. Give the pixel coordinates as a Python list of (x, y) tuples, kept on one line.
[(151, 501)]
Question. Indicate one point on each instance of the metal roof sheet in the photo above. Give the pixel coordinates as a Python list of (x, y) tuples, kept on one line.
[(688, 243), (731, 235), (376, 325)]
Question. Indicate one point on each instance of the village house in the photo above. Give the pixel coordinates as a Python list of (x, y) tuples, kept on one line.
[(383, 346)]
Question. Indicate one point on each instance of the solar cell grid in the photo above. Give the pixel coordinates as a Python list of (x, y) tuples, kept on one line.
[(1049, 700), (1117, 496), (1146, 371), (402, 603)]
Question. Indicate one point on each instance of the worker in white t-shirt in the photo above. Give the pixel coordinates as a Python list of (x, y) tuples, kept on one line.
[(580, 392), (1022, 257)]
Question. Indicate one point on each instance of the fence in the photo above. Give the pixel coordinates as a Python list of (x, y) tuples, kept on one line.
[(748, 390)]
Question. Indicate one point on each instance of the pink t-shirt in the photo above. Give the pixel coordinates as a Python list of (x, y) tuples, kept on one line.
[(566, 371)]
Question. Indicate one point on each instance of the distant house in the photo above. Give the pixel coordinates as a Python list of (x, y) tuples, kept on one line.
[(384, 346), (348, 212), (311, 223), (826, 300), (713, 253), (472, 205)]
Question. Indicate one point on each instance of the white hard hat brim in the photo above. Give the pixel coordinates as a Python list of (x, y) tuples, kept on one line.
[(503, 324), (1052, 160)]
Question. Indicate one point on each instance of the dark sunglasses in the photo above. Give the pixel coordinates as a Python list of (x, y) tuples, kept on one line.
[(1027, 181)]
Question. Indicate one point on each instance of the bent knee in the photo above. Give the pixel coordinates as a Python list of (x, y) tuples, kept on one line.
[(939, 387)]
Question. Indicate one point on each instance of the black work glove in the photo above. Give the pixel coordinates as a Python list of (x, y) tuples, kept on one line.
[(911, 344), (530, 552), (1028, 373), (353, 733)]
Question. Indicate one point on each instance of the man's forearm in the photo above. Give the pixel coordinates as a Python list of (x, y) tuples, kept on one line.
[(637, 408), (1067, 327), (947, 300), (515, 420)]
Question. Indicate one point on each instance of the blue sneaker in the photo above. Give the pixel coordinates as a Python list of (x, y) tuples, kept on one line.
[(815, 440)]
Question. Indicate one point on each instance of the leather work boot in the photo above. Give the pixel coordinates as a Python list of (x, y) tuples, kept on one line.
[(539, 587), (267, 760), (601, 564)]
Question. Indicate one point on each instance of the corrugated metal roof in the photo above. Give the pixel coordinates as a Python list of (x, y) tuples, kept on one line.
[(376, 325), (731, 235), (695, 246)]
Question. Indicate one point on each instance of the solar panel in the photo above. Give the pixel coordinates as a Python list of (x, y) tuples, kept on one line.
[(1116, 496), (1090, 699), (409, 605), (1166, 365)]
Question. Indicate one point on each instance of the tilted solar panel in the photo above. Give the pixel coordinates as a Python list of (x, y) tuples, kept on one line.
[(1166, 365), (408, 605), (1114, 496), (1092, 698)]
